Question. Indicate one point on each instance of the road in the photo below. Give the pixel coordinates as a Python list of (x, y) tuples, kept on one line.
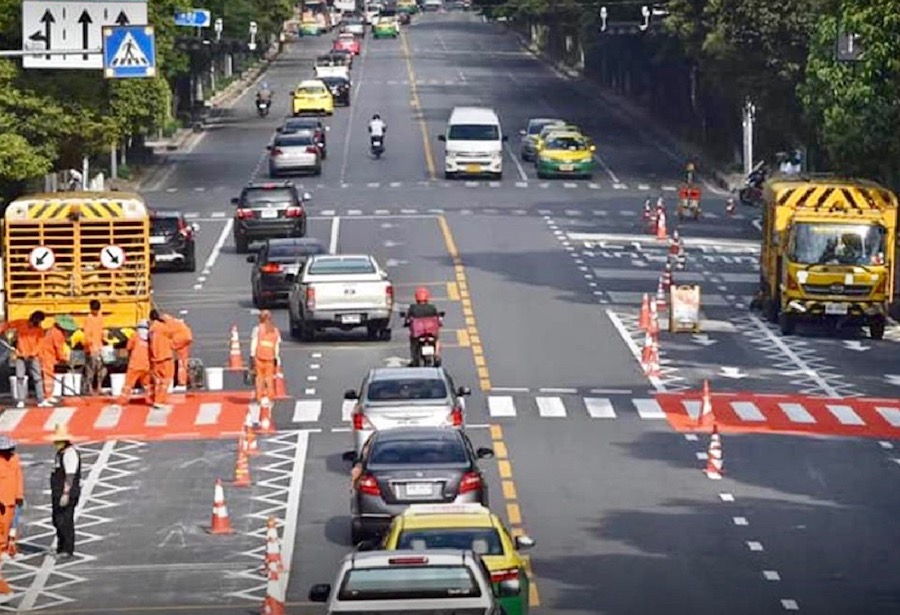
[(541, 282)]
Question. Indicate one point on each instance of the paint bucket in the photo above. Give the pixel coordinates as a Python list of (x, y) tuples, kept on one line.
[(215, 379), (66, 385), (116, 382), (19, 394)]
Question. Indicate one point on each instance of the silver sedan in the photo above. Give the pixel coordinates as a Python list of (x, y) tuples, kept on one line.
[(295, 152), (529, 134)]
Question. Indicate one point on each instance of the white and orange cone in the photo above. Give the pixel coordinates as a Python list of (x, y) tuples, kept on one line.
[(662, 232), (653, 327), (235, 360), (12, 548), (266, 424), (729, 207), (715, 461), (221, 524), (242, 465), (251, 446), (650, 357), (706, 416), (661, 301), (644, 318), (273, 545), (274, 602)]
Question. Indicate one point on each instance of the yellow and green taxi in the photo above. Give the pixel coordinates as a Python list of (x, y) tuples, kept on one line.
[(386, 27), (469, 527), (310, 27), (546, 130), (407, 6), (565, 153), (312, 96)]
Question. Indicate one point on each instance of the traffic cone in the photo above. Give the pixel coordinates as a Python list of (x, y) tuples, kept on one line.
[(653, 327), (12, 549), (5, 589), (221, 524), (648, 213), (266, 424), (251, 446), (280, 386), (729, 207), (242, 466), (650, 357), (674, 244), (660, 295), (661, 231), (715, 461), (273, 545), (706, 416), (235, 360), (274, 602), (644, 319), (667, 277)]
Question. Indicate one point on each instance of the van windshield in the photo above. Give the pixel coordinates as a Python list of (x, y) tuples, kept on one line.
[(409, 583), (474, 132)]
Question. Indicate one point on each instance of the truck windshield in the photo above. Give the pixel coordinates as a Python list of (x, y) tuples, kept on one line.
[(822, 243)]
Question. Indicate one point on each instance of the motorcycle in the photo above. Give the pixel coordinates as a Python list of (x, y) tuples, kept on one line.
[(751, 194), (424, 333), (262, 107), (377, 146)]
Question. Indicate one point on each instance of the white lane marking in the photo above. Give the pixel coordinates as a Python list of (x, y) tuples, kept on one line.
[(347, 409), (771, 575), (354, 212), (648, 409), (606, 168), (747, 411), (885, 444), (292, 511), (599, 407), (718, 243), (109, 417), (726, 497), (790, 605), (10, 419), (208, 414), (42, 575), (217, 214), (501, 406), (754, 545), (740, 521), (551, 407), (558, 390), (350, 116), (327, 212), (510, 389), (307, 410), (335, 232), (796, 413), (611, 391), (158, 417), (59, 416), (633, 347), (891, 415), (701, 456), (515, 159), (217, 249)]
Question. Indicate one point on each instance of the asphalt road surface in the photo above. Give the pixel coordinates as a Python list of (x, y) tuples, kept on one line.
[(541, 282)]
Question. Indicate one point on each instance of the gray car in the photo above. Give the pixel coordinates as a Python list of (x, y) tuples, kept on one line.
[(392, 397), (529, 134), (414, 465), (297, 151)]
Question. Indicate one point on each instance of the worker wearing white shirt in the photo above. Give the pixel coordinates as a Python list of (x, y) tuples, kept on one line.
[(265, 352), (65, 488)]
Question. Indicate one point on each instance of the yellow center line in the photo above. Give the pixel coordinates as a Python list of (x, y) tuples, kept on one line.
[(414, 100), (513, 513), (509, 490), (504, 468), (462, 338), (500, 451), (453, 291)]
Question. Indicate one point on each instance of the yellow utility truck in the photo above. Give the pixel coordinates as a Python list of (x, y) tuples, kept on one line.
[(827, 252), (61, 250)]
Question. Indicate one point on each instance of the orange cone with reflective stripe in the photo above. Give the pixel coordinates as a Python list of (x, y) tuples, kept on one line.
[(274, 602), (251, 446), (242, 466), (266, 424), (273, 545), (644, 320), (661, 231), (661, 295), (11, 547), (280, 386), (653, 327), (221, 524), (235, 360), (650, 357), (706, 416), (715, 461)]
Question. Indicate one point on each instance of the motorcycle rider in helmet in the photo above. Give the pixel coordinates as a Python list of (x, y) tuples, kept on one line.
[(377, 128), (264, 93), (422, 309)]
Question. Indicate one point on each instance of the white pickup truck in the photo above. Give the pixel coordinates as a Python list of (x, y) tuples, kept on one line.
[(342, 291)]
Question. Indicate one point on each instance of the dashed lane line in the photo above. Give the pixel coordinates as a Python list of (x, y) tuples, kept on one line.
[(416, 105), (335, 235)]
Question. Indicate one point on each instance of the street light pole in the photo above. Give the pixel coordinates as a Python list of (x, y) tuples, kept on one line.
[(749, 114)]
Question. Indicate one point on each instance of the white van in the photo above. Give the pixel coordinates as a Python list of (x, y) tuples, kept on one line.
[(473, 143)]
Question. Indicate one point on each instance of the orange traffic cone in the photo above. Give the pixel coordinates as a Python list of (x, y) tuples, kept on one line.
[(274, 602), (653, 327), (251, 446), (242, 466), (273, 545), (221, 524), (12, 549), (280, 386), (648, 213), (266, 424), (661, 231), (661, 295), (667, 277), (235, 360), (706, 416), (644, 319), (715, 461), (650, 357)]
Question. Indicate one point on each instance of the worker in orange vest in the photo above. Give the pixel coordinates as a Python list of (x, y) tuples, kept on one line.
[(29, 335), (12, 489), (53, 350), (162, 360), (138, 364), (182, 339), (265, 351), (94, 370)]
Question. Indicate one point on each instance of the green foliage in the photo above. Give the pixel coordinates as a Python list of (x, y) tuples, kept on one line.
[(19, 160), (139, 105)]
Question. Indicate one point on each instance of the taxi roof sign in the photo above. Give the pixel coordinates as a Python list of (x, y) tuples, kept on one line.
[(445, 509)]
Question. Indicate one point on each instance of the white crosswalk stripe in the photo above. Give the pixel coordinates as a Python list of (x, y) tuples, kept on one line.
[(501, 406), (551, 407), (599, 408), (747, 411), (648, 409), (845, 415), (796, 413), (59, 416), (307, 410)]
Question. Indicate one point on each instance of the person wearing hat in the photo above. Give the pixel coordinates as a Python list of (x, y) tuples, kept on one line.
[(54, 350), (65, 488), (265, 351), (138, 364), (29, 334), (12, 489)]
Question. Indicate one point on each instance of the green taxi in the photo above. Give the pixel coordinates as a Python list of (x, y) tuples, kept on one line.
[(410, 7), (386, 28), (565, 153), (310, 28)]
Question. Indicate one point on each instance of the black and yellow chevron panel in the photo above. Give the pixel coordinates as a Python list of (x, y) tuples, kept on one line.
[(89, 210), (831, 197)]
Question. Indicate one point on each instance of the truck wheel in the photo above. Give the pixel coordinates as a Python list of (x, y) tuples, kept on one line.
[(876, 328), (786, 324)]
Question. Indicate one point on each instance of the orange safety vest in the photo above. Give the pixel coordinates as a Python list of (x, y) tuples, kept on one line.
[(53, 348), (28, 337), (12, 485), (266, 341), (160, 342), (93, 334), (179, 331), (138, 353)]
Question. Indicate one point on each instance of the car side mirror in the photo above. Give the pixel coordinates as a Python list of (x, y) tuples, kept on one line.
[(291, 93), (524, 542), (485, 453), (279, 129), (368, 545), (505, 138), (251, 258), (463, 391), (320, 592), (307, 196), (235, 201), (442, 138), (351, 394), (349, 456), (195, 227), (442, 314), (269, 147)]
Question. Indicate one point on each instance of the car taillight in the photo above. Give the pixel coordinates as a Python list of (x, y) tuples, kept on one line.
[(293, 212), (369, 486), (277, 152), (471, 481), (312, 149), (271, 268), (508, 574), (310, 298), (360, 422), (456, 417), (389, 295), (243, 214)]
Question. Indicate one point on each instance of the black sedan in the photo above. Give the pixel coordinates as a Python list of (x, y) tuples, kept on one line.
[(275, 266), (413, 465), (339, 88), (172, 240)]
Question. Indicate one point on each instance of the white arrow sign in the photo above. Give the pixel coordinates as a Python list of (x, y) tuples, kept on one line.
[(732, 372), (396, 362), (855, 345), (703, 340), (893, 379)]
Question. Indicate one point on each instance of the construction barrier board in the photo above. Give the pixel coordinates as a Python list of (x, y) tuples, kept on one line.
[(684, 315)]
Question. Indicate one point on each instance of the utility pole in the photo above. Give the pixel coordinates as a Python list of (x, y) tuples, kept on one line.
[(749, 119)]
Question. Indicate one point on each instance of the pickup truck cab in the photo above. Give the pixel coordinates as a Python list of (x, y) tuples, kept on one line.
[(343, 292)]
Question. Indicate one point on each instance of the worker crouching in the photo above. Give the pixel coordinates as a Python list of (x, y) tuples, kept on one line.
[(138, 371), (162, 360)]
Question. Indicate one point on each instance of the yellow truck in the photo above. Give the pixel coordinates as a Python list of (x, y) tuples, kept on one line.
[(827, 252), (61, 250)]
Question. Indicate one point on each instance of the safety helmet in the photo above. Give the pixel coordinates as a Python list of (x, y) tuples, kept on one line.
[(376, 117), (422, 295)]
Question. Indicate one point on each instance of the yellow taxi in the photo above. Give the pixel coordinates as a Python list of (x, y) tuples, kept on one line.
[(565, 152), (546, 130), (312, 96), (470, 527)]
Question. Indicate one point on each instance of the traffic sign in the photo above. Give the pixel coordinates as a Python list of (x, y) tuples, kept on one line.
[(73, 25), (195, 18), (129, 52), (112, 257), (42, 259)]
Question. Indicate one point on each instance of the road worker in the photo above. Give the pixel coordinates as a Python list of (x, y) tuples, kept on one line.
[(94, 370), (182, 339), (54, 350), (162, 359), (12, 488), (138, 364), (265, 353), (65, 489), (29, 334)]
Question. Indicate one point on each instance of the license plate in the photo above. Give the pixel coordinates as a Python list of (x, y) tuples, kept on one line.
[(473, 168), (836, 308), (351, 319), (418, 489), (428, 351), (155, 241), (567, 167), (269, 213)]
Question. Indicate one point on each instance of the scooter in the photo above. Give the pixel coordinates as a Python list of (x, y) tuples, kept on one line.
[(262, 107), (377, 146), (425, 333), (751, 194)]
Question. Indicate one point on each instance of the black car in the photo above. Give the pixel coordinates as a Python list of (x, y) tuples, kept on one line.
[(172, 241), (267, 210), (342, 56), (339, 88), (275, 266), (414, 465), (299, 124)]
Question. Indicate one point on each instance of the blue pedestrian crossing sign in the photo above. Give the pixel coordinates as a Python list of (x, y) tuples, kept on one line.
[(129, 52)]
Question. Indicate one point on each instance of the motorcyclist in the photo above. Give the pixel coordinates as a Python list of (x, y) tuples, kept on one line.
[(264, 93), (377, 128), (429, 322)]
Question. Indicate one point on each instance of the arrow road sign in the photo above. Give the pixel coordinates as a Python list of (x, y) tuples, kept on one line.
[(195, 18), (129, 52), (396, 361), (893, 379), (732, 372), (112, 257), (42, 259)]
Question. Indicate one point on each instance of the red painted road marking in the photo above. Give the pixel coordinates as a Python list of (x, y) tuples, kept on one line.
[(789, 414)]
